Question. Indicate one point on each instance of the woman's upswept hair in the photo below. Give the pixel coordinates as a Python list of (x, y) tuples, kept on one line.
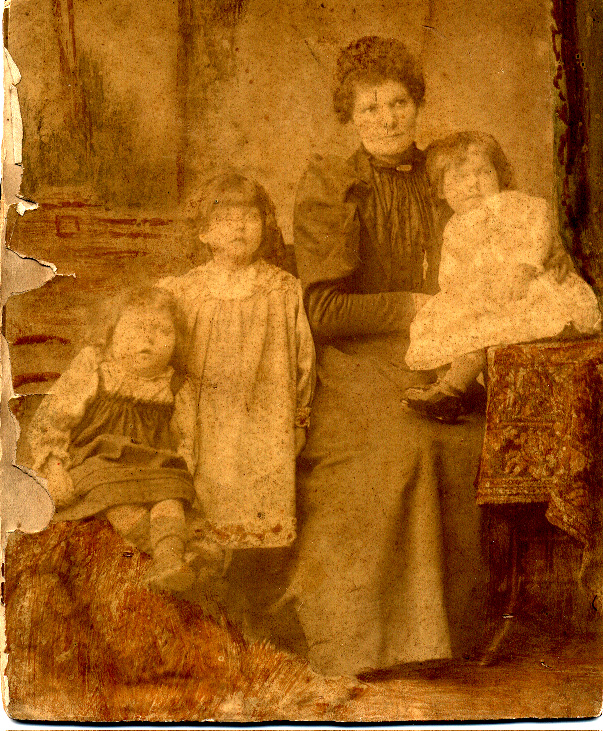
[(452, 150), (374, 60), (104, 317), (233, 188)]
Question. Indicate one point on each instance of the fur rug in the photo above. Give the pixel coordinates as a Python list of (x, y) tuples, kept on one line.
[(87, 641)]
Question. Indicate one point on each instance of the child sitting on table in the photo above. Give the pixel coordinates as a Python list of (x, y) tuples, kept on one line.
[(504, 277)]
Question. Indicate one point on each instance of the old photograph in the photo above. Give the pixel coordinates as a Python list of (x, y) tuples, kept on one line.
[(306, 360)]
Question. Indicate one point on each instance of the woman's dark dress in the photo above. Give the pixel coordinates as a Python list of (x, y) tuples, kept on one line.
[(389, 564)]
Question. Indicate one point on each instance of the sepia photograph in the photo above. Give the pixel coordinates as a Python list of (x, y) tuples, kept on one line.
[(303, 360)]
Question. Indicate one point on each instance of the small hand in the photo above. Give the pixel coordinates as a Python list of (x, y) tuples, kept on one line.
[(300, 439), (60, 484)]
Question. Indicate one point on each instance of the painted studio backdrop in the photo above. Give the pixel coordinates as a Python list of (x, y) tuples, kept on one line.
[(128, 105)]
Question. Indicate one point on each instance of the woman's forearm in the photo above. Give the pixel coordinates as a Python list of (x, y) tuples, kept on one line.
[(334, 313)]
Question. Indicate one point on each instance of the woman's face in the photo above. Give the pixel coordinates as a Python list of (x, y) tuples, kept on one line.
[(234, 234), (385, 117)]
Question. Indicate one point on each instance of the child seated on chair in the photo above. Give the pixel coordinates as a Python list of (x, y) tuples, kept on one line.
[(106, 436), (504, 276)]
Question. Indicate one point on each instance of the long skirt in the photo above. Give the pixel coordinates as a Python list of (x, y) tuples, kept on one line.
[(389, 565)]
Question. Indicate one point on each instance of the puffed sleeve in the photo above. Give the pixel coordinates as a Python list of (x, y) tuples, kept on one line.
[(306, 364), (184, 422), (62, 409), (549, 250), (326, 228), (186, 290)]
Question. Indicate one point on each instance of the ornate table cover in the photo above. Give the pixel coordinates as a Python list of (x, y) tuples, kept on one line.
[(542, 440)]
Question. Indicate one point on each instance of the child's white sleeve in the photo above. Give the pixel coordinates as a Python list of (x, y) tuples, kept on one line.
[(452, 274), (542, 240), (184, 423), (306, 364), (62, 409)]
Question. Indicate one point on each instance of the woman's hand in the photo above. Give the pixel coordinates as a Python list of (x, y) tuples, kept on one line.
[(514, 285), (560, 264), (521, 278), (300, 439), (60, 484)]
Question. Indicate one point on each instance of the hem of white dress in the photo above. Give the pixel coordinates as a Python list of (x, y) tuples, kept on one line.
[(252, 535)]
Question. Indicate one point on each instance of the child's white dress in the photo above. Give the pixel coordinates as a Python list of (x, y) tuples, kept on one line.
[(473, 310), (251, 351)]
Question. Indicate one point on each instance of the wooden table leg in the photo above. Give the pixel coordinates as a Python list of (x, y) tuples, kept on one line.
[(505, 626)]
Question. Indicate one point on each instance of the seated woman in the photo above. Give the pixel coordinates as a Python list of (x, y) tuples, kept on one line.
[(389, 568)]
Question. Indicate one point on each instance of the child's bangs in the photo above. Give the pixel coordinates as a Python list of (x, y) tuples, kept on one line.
[(225, 191), (458, 156), (453, 151), (235, 191), (245, 195)]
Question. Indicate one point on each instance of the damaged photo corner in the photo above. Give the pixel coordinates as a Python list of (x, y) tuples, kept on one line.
[(244, 242)]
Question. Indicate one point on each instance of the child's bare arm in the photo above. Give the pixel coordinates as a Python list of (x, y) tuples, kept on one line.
[(50, 429)]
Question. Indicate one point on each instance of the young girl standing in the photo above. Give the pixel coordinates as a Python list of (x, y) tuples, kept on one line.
[(251, 350), (106, 436), (504, 277)]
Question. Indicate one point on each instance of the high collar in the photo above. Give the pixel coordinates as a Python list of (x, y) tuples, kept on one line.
[(364, 163), (403, 160)]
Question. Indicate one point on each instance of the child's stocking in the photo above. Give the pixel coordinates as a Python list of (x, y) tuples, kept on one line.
[(132, 522), (168, 533), (464, 370)]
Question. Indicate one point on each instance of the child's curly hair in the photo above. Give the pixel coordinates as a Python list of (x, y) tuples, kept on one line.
[(452, 150), (106, 314), (233, 188)]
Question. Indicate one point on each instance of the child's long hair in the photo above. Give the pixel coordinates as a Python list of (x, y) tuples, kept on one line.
[(105, 316), (452, 150), (233, 188)]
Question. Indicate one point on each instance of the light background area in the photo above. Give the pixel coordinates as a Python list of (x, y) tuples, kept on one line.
[(123, 102)]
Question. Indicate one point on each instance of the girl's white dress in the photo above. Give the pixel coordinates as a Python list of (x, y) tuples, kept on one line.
[(473, 310), (252, 354)]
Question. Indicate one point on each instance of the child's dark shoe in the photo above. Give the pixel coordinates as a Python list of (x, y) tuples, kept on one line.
[(436, 402)]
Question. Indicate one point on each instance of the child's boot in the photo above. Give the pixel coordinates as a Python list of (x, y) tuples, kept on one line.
[(438, 401)]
